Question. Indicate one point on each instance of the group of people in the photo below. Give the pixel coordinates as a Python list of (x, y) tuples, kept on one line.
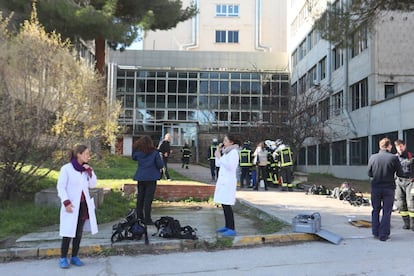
[(270, 162), (77, 211), (392, 178)]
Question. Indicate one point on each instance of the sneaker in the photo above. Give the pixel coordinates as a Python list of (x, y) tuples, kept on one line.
[(75, 261), (169, 179), (229, 233), (63, 263), (222, 229)]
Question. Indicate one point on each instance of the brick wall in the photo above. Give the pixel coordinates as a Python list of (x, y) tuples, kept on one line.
[(175, 192)]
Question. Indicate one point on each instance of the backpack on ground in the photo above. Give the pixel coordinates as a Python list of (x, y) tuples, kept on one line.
[(318, 190), (170, 228), (129, 228)]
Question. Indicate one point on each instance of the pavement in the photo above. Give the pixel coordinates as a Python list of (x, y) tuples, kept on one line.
[(274, 203)]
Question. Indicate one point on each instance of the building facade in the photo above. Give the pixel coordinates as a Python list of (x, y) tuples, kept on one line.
[(226, 70), (367, 87)]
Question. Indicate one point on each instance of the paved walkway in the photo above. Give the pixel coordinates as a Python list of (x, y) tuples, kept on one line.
[(282, 205)]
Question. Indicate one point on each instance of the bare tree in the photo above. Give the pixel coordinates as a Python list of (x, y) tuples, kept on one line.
[(49, 101)]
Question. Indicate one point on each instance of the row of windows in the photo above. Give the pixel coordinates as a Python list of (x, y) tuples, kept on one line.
[(358, 150), (311, 78)]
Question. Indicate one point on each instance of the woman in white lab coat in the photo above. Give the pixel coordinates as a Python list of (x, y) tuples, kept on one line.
[(77, 212), (227, 159)]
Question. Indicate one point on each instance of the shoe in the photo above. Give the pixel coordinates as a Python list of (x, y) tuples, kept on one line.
[(149, 222), (169, 179), (229, 233), (384, 238), (63, 263), (75, 261), (222, 229)]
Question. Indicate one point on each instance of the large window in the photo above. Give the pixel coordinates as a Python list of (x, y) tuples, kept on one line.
[(409, 139), (227, 10), (312, 155), (337, 57), (359, 94), (322, 68), (358, 150), (324, 154), (324, 110), (359, 41), (227, 36), (337, 103), (339, 153)]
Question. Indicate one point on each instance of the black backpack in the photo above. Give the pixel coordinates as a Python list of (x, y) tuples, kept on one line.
[(130, 228), (168, 227)]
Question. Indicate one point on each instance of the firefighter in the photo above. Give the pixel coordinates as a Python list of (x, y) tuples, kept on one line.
[(211, 150), (404, 184), (284, 158), (186, 151), (245, 162)]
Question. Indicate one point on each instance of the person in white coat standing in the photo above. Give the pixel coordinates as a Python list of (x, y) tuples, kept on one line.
[(77, 212), (227, 159)]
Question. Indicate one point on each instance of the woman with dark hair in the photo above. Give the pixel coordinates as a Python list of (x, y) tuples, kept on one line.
[(227, 158), (77, 212), (147, 174)]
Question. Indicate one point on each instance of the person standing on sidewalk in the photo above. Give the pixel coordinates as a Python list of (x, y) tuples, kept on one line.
[(227, 159), (77, 211), (165, 151), (147, 174), (403, 194), (246, 158), (186, 151), (382, 167), (260, 159)]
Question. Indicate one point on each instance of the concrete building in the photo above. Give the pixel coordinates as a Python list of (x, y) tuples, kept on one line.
[(367, 88), (225, 70)]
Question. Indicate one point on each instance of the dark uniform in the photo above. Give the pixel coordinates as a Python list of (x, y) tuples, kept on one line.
[(284, 158), (186, 151), (245, 162), (404, 185)]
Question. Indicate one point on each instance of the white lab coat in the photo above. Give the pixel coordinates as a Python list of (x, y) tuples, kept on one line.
[(70, 185), (225, 192)]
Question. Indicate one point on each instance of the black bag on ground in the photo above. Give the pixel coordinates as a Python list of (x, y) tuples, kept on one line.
[(170, 228), (130, 228)]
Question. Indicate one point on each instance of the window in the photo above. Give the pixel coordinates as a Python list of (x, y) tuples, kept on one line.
[(227, 10), (324, 110), (389, 89), (312, 76), (220, 36), (359, 41), (408, 137), (337, 57), (339, 153), (233, 36), (302, 156), (358, 151), (322, 68), (227, 36), (294, 58), (302, 84), (337, 103), (359, 94), (312, 155), (324, 154), (302, 50), (313, 38)]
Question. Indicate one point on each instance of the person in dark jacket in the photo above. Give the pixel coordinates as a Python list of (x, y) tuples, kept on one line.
[(165, 150), (186, 151), (382, 168), (147, 174)]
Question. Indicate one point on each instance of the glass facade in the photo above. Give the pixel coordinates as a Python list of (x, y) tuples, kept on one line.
[(159, 101)]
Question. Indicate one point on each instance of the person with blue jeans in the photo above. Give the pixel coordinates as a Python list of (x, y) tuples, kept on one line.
[(382, 168)]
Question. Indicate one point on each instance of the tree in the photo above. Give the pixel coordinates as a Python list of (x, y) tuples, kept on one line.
[(48, 102), (340, 20), (118, 22)]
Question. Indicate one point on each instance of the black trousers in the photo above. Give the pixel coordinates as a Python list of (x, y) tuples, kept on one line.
[(165, 169), (228, 216), (77, 239), (146, 191)]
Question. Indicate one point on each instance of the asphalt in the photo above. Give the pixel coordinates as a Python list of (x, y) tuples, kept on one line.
[(206, 218)]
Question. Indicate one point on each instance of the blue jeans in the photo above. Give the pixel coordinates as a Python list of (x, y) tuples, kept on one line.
[(382, 198)]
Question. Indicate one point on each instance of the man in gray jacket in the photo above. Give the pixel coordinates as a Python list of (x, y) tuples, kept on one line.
[(382, 168)]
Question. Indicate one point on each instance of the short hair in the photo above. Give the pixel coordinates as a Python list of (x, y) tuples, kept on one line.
[(384, 143), (144, 144), (399, 142)]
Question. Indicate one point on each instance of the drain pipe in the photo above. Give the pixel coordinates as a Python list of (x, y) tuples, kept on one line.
[(258, 28), (195, 26)]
